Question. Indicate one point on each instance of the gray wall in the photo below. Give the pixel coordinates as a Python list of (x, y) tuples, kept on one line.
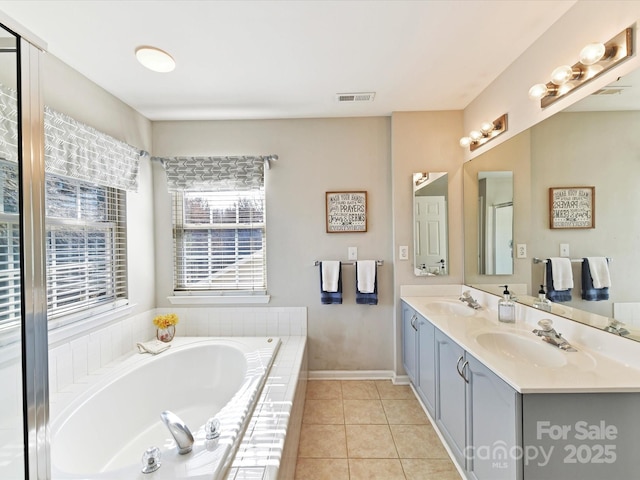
[(316, 156)]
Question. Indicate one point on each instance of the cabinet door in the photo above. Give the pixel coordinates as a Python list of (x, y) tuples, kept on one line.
[(450, 404), (493, 425), (409, 341), (426, 364)]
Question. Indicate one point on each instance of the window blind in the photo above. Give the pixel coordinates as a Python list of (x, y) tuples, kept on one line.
[(218, 223), (85, 245)]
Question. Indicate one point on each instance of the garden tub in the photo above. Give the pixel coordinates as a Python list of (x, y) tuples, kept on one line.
[(104, 432)]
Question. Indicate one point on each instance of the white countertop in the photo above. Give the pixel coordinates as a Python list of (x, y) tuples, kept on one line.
[(580, 372)]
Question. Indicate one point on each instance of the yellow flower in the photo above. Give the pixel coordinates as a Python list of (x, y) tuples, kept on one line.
[(164, 321)]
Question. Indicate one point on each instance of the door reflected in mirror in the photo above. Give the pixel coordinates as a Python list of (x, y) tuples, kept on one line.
[(430, 230), (495, 223)]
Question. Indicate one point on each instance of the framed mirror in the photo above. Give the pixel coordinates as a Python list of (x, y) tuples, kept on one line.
[(592, 144), (430, 223)]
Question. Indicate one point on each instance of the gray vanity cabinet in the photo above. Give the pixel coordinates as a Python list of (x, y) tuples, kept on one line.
[(410, 341), (426, 364), (451, 395), (493, 420), (418, 354)]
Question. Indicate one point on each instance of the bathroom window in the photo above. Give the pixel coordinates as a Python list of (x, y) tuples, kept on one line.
[(9, 244), (85, 246), (219, 241)]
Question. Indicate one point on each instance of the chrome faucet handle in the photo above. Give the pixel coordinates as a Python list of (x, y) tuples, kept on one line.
[(212, 428), (151, 460), (546, 325)]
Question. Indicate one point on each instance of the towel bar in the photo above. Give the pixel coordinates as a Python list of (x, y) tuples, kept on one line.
[(573, 260), (350, 262)]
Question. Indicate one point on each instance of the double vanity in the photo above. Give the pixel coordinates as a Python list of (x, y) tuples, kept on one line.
[(512, 406)]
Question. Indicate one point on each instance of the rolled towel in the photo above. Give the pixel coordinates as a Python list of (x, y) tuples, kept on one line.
[(153, 347)]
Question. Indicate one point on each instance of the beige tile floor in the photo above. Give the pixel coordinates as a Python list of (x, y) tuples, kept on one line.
[(368, 430)]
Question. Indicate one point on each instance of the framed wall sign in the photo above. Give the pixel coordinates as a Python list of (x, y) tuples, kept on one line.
[(346, 212), (572, 207)]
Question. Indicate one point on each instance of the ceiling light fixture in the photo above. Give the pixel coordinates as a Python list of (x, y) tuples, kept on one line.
[(595, 59), (488, 131), (155, 59)]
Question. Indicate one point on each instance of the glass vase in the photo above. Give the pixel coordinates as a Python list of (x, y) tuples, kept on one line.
[(166, 334)]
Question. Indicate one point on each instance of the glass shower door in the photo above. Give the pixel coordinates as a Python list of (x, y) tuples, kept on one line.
[(12, 444)]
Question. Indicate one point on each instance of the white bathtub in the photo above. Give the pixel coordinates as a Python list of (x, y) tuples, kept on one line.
[(103, 433)]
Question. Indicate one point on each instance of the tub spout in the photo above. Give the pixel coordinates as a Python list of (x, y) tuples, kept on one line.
[(179, 430)]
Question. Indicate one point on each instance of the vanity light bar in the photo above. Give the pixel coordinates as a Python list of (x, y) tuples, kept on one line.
[(595, 59), (487, 132)]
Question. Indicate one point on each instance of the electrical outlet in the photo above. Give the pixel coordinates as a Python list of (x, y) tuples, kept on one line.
[(403, 252), (521, 250), (352, 253), (564, 250)]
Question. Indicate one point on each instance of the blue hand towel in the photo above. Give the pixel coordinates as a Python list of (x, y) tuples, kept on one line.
[(553, 294), (368, 298), (330, 298), (589, 292)]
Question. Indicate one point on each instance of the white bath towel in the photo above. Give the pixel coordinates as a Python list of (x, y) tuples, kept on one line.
[(599, 268), (153, 347), (366, 275), (562, 274), (330, 275)]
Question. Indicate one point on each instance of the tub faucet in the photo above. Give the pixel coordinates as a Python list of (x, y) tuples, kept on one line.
[(469, 300), (549, 335), (179, 430)]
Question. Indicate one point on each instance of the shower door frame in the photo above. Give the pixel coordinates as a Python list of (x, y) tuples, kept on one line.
[(34, 336)]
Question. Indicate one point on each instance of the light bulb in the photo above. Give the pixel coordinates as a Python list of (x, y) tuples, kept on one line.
[(475, 135), (561, 75), (538, 91), (486, 127), (465, 142), (592, 53)]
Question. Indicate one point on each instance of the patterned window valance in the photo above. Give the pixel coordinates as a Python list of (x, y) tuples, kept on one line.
[(72, 149), (8, 124), (216, 174), (75, 150)]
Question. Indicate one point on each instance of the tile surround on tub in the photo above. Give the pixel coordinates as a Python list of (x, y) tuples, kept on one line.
[(269, 449), (73, 360)]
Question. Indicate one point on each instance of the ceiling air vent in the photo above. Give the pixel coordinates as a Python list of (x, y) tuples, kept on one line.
[(355, 97)]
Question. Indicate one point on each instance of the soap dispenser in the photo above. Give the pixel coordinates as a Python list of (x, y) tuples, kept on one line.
[(542, 302), (506, 307)]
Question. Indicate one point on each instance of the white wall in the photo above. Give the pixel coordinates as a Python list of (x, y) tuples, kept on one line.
[(585, 22), (316, 156), (424, 142)]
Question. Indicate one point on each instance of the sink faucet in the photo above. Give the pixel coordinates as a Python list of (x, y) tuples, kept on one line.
[(616, 327), (549, 335), (179, 430), (470, 301)]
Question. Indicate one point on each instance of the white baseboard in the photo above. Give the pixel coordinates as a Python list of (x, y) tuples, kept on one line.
[(359, 375)]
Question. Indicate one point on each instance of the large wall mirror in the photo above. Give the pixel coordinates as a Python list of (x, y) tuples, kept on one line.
[(594, 143), (430, 231)]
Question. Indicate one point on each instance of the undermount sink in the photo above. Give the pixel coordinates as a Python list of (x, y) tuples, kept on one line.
[(519, 348), (446, 307)]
